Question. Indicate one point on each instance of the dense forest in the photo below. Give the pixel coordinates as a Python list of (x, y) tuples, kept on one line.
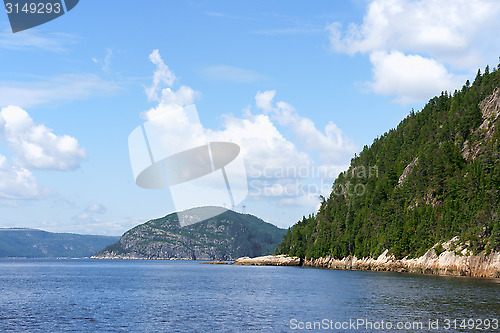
[(434, 177)]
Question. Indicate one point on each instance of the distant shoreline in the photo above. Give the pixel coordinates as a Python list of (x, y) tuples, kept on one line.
[(44, 258), (446, 264)]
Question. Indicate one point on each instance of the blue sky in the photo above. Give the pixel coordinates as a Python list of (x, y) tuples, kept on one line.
[(299, 86)]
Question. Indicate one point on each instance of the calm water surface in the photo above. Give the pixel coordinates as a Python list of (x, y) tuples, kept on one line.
[(186, 296)]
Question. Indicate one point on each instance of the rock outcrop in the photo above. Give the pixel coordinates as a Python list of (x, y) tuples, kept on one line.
[(490, 110), (280, 260), (406, 171)]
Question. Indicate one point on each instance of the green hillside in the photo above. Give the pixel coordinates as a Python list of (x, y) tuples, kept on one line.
[(227, 236), (33, 243), (434, 177)]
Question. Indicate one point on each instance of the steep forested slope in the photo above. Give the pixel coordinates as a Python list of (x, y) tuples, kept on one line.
[(434, 177)]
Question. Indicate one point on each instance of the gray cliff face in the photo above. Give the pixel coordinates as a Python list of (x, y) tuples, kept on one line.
[(490, 110), (224, 237)]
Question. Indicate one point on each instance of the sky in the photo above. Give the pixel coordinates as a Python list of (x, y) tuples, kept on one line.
[(300, 88)]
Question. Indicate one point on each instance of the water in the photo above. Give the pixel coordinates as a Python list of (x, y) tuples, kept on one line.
[(185, 296)]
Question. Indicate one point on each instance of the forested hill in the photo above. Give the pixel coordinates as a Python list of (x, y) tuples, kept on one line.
[(434, 177), (225, 236), (34, 243)]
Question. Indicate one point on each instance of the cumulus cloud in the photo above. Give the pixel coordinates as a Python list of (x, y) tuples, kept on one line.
[(331, 143), (263, 100), (277, 169), (266, 151), (448, 36), (410, 77), (162, 75), (36, 146), (17, 182), (438, 28), (169, 120)]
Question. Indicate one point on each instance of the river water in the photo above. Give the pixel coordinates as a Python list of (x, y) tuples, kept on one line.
[(84, 295)]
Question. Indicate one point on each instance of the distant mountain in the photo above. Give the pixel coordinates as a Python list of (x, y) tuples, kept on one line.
[(433, 178), (34, 243), (227, 236)]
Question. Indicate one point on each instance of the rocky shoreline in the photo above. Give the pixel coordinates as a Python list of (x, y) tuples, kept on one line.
[(449, 262)]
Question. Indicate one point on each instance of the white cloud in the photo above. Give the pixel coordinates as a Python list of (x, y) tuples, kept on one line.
[(439, 28), (276, 167), (168, 98), (333, 146), (35, 146), (263, 100), (265, 149), (169, 120), (162, 75), (448, 36), (60, 88), (411, 77), (181, 97), (17, 182), (233, 74)]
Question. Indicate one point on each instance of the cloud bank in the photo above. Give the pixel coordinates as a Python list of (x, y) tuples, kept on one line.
[(272, 159), (33, 146), (419, 48)]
